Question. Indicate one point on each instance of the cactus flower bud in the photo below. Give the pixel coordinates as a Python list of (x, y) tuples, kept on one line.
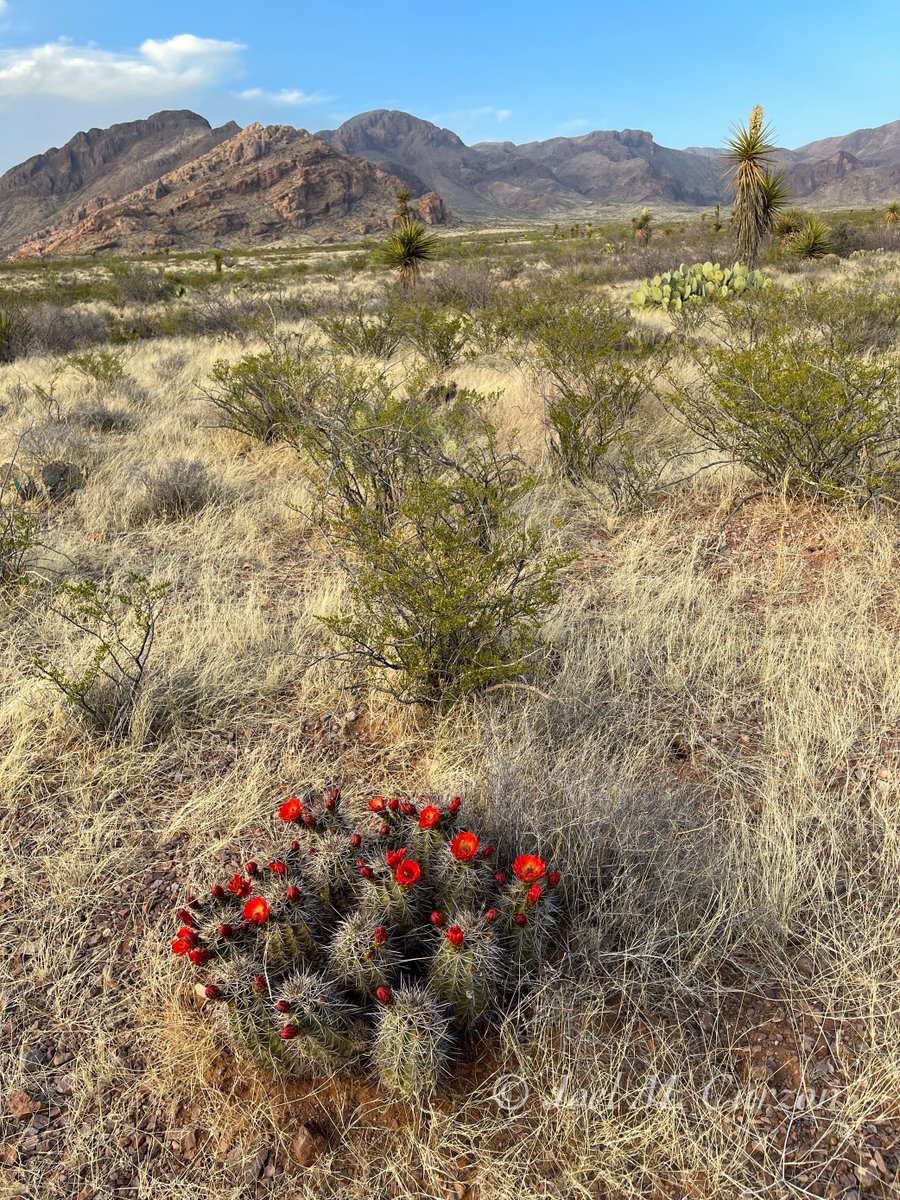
[(454, 805), (185, 916), (283, 1006), (487, 851), (500, 876), (553, 879), (193, 902), (437, 918), (385, 829), (259, 983), (534, 894), (288, 1032), (355, 840), (329, 803), (408, 809), (384, 994), (226, 931), (366, 871), (491, 915), (380, 936), (293, 893), (520, 919), (199, 955), (394, 804), (309, 820), (455, 935), (212, 992), (251, 868), (277, 866), (393, 858), (295, 846), (217, 892)]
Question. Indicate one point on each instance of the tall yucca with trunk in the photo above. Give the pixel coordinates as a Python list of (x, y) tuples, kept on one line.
[(759, 194)]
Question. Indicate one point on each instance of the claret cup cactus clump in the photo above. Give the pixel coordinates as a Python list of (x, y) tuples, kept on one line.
[(379, 944)]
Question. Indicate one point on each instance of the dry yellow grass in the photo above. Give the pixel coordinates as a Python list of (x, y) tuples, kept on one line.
[(715, 762)]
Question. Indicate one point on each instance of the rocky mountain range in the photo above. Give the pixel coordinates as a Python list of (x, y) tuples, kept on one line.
[(172, 181)]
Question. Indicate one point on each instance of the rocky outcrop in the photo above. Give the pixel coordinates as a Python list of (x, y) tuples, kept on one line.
[(97, 165), (264, 185)]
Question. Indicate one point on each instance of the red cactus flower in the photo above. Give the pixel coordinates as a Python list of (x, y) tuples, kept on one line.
[(212, 992), (529, 868), (393, 804), (217, 892), (239, 885), (534, 893), (288, 1032), (395, 857), (520, 919), (500, 876), (407, 872), (553, 879), (199, 955), (291, 810), (277, 866), (429, 816), (408, 809), (293, 893), (491, 915), (226, 931), (437, 918), (384, 994), (181, 945), (332, 799), (377, 804), (256, 910), (251, 868), (366, 871), (380, 935), (283, 1006), (455, 935), (464, 846), (355, 840), (189, 934), (454, 805)]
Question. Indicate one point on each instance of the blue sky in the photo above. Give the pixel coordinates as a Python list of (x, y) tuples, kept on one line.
[(489, 70)]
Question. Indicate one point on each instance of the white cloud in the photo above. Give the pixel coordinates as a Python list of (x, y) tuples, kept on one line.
[(574, 126), (157, 69), (465, 117), (286, 98), (2, 6)]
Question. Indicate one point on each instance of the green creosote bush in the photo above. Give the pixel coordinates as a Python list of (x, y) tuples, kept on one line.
[(263, 395), (18, 529), (801, 413), (449, 597), (388, 940), (439, 334), (595, 370), (696, 284), (118, 622), (104, 367), (362, 334)]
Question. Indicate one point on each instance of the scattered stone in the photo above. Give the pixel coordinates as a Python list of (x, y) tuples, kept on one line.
[(308, 1144), (21, 1106)]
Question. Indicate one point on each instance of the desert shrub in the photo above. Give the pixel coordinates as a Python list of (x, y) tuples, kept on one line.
[(172, 490), (594, 371), (16, 334), (461, 285), (369, 335), (18, 529), (855, 319), (439, 334), (60, 330), (138, 285), (796, 411), (262, 395), (448, 598), (118, 623), (389, 939), (103, 367)]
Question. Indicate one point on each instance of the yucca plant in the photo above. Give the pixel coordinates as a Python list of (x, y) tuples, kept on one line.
[(406, 249), (813, 240), (892, 213), (789, 222), (641, 226), (430, 944), (759, 193)]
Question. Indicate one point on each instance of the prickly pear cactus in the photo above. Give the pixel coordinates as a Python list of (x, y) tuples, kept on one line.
[(696, 284), (373, 941)]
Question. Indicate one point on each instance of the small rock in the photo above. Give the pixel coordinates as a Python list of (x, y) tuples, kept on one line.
[(866, 1176), (308, 1144), (21, 1106)]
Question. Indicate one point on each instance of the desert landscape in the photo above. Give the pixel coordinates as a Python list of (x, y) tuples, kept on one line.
[(450, 710)]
